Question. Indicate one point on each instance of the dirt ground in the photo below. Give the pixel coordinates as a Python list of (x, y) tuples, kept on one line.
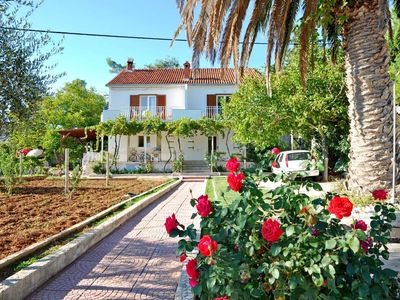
[(39, 209)]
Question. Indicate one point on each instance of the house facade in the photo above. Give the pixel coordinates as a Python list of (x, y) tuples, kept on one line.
[(170, 94)]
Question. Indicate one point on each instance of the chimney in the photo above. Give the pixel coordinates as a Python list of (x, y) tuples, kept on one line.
[(129, 65), (186, 70)]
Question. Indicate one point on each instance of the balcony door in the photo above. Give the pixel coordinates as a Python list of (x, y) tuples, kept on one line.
[(148, 105)]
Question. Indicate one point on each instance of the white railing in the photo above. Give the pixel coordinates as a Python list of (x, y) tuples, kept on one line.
[(213, 111), (140, 113)]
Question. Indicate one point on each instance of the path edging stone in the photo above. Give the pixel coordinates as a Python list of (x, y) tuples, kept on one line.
[(24, 282)]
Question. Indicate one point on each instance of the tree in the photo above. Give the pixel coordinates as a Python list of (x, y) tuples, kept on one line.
[(73, 106), (23, 71), (217, 27), (318, 112), (164, 63), (394, 45), (114, 66)]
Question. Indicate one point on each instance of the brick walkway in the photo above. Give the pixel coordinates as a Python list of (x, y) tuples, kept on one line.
[(137, 261)]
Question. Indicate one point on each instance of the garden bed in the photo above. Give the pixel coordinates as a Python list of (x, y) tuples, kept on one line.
[(38, 209)]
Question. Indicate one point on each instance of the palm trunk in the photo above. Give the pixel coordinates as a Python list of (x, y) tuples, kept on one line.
[(370, 97)]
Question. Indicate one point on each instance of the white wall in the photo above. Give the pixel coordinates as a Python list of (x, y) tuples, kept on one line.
[(120, 96), (197, 94)]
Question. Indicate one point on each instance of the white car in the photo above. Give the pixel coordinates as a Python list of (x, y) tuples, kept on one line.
[(295, 161)]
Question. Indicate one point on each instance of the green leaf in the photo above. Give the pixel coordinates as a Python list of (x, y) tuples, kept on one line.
[(193, 202), (332, 270), (354, 244), (257, 293), (361, 235), (275, 249), (326, 260), (330, 244), (275, 273), (290, 230)]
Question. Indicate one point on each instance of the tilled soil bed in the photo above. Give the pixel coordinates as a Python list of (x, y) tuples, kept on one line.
[(39, 209)]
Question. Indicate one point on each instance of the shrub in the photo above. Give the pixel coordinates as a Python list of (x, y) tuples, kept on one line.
[(281, 244), (177, 165), (148, 167), (75, 180), (9, 167), (32, 165), (98, 167), (213, 159)]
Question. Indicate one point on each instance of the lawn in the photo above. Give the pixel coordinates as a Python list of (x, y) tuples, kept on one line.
[(217, 190), (38, 209)]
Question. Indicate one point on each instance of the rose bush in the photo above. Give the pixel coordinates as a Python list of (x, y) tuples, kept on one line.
[(282, 244)]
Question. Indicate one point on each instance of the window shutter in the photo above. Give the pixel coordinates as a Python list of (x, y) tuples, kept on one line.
[(161, 103), (211, 100), (134, 101), (161, 100)]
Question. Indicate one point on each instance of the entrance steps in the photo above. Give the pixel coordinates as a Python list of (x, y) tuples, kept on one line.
[(195, 166)]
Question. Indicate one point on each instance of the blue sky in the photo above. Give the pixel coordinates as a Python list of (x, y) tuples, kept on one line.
[(84, 57)]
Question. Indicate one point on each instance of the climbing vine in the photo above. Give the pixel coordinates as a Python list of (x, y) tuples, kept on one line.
[(182, 128)]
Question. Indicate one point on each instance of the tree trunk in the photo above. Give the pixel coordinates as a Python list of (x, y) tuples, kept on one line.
[(369, 89)]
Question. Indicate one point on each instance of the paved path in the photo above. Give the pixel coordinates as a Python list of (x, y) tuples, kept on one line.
[(137, 261)]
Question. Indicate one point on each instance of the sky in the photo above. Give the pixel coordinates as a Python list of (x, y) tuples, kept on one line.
[(85, 57)]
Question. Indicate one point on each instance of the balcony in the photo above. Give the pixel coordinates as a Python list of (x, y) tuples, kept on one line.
[(212, 111), (167, 114), (140, 113)]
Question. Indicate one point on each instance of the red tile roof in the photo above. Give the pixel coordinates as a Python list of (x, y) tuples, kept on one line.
[(176, 76)]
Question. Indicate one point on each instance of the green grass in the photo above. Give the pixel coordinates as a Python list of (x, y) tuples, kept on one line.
[(217, 190), (54, 246)]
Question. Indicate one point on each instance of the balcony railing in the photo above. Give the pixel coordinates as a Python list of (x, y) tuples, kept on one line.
[(141, 113), (213, 111)]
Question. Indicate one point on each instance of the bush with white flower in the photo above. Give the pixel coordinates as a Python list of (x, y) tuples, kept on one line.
[(281, 244)]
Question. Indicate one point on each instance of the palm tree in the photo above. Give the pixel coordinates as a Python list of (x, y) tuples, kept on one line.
[(359, 25)]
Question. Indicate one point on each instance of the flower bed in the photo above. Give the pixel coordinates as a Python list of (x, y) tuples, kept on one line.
[(284, 245)]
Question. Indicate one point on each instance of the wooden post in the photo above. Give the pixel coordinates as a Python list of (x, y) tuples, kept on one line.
[(145, 149), (212, 153), (107, 167), (66, 171), (102, 148), (20, 165)]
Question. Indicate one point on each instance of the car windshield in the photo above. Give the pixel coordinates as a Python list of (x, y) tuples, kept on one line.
[(299, 156)]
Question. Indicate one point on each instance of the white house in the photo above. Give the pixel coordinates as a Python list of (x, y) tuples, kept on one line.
[(169, 94)]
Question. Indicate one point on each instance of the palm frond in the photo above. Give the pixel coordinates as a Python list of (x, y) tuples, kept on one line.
[(257, 23), (396, 4)]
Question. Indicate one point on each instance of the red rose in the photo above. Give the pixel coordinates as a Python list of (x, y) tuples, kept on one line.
[(275, 151), (380, 194), (193, 282), (365, 245), (171, 223), (235, 181), (191, 269), (203, 206), (360, 224), (207, 246), (182, 258), (340, 207), (271, 230), (274, 164), (222, 298), (232, 164)]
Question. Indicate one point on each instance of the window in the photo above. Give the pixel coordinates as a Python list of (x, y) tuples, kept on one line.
[(148, 103), (299, 156), (141, 141), (222, 98)]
